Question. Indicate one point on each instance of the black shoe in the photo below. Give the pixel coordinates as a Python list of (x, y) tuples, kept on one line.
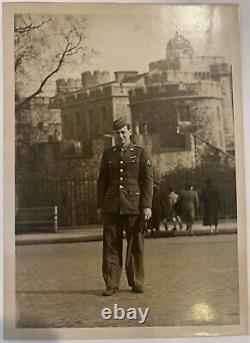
[(138, 289), (109, 291)]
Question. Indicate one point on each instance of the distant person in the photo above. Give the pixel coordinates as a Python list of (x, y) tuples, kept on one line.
[(188, 203), (173, 215), (155, 220), (57, 136), (210, 206), (177, 208), (165, 206)]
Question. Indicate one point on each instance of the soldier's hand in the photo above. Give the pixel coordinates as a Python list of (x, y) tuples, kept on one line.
[(146, 213), (99, 213)]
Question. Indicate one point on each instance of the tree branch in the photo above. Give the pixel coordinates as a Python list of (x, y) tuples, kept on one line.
[(40, 88), (63, 51), (29, 27)]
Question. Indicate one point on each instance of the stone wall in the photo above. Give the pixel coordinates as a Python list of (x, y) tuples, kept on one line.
[(90, 113), (121, 108)]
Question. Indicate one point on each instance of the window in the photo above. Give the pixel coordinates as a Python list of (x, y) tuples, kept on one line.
[(184, 114), (171, 140)]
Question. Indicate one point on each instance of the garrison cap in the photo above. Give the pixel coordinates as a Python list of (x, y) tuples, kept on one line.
[(119, 123)]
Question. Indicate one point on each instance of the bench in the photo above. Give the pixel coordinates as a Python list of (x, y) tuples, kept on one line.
[(33, 217)]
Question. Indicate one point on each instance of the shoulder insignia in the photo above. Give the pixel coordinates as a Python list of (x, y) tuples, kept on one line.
[(148, 163)]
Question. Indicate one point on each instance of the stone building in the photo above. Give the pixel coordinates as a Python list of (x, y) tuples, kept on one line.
[(36, 127), (181, 98), (183, 102), (38, 122), (87, 114), (206, 73)]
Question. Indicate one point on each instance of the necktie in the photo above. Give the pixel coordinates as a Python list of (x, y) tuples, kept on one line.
[(122, 151)]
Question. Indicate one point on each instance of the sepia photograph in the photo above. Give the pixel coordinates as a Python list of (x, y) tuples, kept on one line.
[(125, 171)]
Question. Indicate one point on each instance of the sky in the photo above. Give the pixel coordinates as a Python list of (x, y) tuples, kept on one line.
[(129, 37), (130, 40)]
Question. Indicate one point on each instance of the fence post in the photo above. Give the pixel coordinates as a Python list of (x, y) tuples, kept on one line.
[(73, 203), (56, 223)]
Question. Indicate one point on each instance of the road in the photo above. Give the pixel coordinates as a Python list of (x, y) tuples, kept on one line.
[(188, 281)]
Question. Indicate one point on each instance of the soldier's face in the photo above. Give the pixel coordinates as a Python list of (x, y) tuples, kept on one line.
[(122, 136)]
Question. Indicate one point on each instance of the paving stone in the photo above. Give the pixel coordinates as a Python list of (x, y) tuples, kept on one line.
[(188, 281)]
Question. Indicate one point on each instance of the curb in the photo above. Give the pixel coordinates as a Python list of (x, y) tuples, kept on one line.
[(54, 240), (98, 237)]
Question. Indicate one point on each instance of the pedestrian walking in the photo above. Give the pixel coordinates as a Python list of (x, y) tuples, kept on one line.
[(170, 209), (173, 209), (165, 206), (155, 220), (188, 204), (210, 202), (124, 197)]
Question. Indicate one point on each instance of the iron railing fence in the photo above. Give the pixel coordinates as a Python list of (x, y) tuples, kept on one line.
[(75, 196)]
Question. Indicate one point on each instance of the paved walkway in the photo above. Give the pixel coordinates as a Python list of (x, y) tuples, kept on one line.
[(94, 233), (188, 281)]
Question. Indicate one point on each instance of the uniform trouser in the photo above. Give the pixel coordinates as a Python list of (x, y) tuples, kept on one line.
[(114, 224)]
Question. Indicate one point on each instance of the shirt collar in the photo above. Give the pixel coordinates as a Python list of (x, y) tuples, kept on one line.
[(127, 147)]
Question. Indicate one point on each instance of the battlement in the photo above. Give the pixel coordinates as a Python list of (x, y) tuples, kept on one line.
[(90, 79), (169, 76), (188, 63), (122, 76), (173, 90), (220, 69), (111, 89)]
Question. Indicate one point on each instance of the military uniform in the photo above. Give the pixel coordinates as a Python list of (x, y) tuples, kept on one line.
[(125, 186)]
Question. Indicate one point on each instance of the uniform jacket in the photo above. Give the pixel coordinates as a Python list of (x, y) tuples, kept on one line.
[(125, 183)]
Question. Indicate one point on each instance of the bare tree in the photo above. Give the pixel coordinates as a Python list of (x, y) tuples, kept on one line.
[(44, 45)]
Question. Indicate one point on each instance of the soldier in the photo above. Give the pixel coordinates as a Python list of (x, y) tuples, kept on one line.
[(124, 198)]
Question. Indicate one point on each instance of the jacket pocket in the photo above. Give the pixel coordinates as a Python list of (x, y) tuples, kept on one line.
[(109, 195)]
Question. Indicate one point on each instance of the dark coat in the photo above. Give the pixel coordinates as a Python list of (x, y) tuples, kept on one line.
[(155, 220), (188, 204), (210, 205), (125, 183)]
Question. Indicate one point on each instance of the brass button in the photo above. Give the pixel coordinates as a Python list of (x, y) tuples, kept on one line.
[(121, 178), (121, 162), (121, 170), (121, 186)]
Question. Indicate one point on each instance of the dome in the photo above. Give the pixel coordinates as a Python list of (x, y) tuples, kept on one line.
[(179, 43)]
